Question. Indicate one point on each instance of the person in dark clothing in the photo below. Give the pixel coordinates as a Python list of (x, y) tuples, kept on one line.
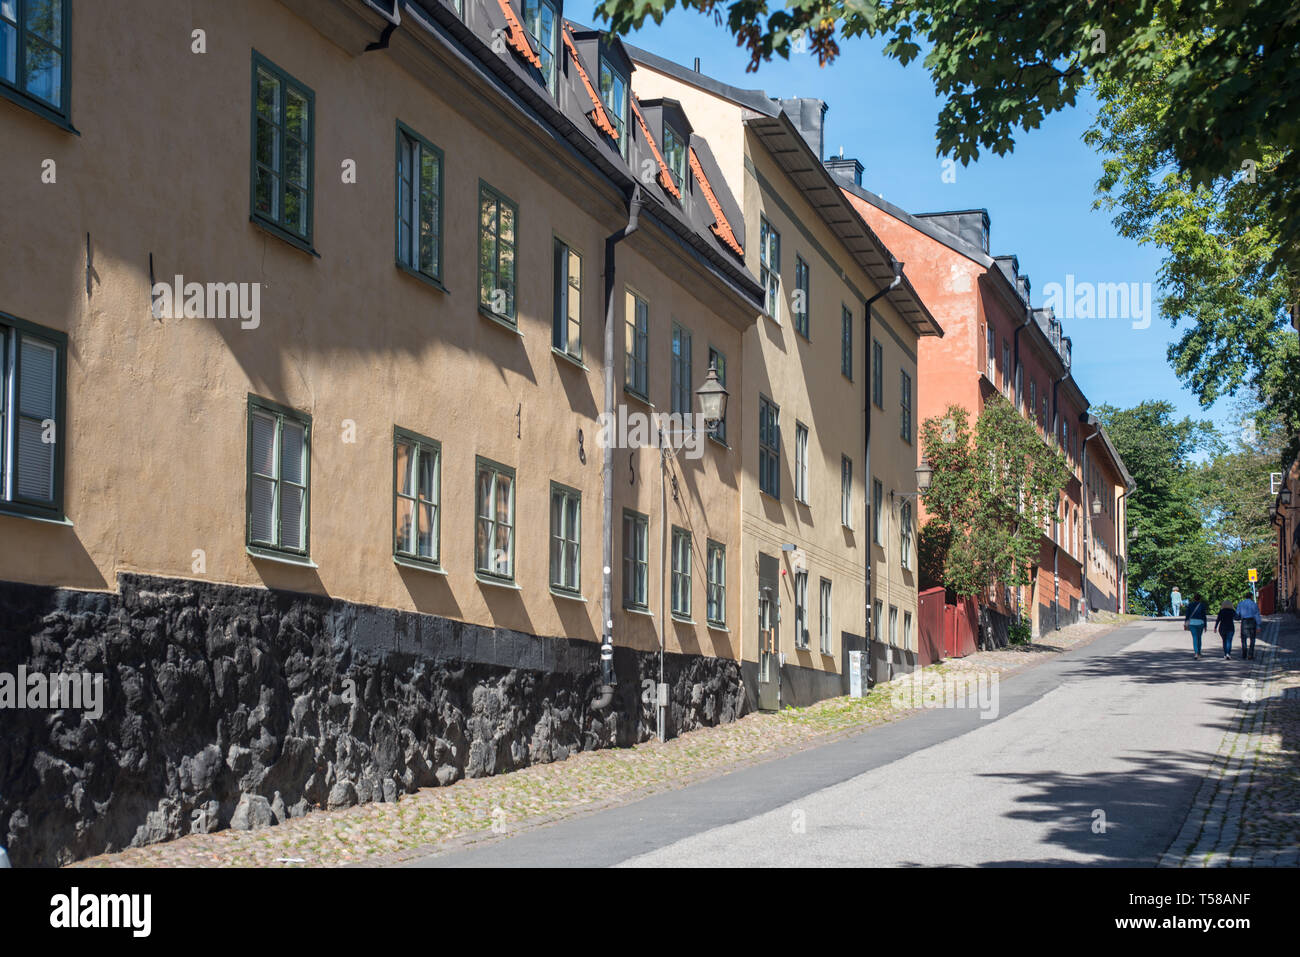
[(1226, 626), (1194, 621)]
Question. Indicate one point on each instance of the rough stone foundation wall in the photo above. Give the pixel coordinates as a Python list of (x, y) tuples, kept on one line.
[(231, 706)]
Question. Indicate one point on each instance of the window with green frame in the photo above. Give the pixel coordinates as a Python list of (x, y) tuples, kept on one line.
[(417, 497), (283, 144), (769, 447), (681, 573), (716, 571), (846, 341), (35, 67), (636, 344), (905, 406), (681, 392), (494, 523), (675, 155), (801, 609), (636, 559), (497, 219), (613, 94), (419, 204), (769, 266), (33, 362), (802, 291), (541, 22), (566, 325), (279, 478), (566, 538)]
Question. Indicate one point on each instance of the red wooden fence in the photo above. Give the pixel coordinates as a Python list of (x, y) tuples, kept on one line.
[(946, 631)]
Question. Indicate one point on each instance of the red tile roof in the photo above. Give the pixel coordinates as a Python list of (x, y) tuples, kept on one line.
[(721, 228), (597, 112), (516, 36)]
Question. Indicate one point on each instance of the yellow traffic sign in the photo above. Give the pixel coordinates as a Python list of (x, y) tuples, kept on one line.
[(1253, 575)]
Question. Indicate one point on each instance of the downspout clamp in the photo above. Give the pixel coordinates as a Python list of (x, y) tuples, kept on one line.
[(607, 677)]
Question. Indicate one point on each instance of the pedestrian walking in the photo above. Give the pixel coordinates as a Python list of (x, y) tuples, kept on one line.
[(1176, 599), (1251, 622), (1226, 626), (1194, 621)]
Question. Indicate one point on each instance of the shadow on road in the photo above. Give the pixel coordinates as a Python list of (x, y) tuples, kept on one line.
[(1112, 816)]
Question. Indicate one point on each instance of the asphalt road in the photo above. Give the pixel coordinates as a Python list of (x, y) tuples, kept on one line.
[(1093, 759)]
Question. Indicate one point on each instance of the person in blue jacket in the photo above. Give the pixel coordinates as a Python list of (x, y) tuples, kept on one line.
[(1194, 621)]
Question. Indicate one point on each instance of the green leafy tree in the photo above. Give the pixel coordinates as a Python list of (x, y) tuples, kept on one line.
[(1167, 546), (1219, 275), (994, 489), (1003, 67), (1233, 495)]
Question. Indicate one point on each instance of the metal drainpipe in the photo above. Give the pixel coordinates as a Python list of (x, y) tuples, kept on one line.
[(1087, 519), (1122, 529), (607, 677), (866, 454), (1056, 546)]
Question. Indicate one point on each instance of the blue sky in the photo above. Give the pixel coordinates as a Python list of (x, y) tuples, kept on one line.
[(1039, 197)]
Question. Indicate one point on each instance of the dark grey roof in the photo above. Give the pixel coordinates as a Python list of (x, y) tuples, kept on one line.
[(792, 153), (755, 100)]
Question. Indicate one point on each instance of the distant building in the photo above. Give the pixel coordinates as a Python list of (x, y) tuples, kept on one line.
[(996, 342)]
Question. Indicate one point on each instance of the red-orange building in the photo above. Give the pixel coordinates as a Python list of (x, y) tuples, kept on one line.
[(996, 341)]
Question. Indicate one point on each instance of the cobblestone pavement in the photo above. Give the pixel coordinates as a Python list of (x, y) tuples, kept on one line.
[(1247, 811), (447, 816)]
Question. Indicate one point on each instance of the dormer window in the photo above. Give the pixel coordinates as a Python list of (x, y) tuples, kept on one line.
[(613, 94), (675, 154), (541, 22)]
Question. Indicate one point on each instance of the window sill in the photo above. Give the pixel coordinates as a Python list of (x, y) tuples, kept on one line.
[(570, 595), (501, 321), (496, 582), (633, 610), (418, 566), (570, 359), (644, 400), (282, 558), (420, 277), (279, 232), (13, 512), (680, 620), (43, 110), (718, 626)]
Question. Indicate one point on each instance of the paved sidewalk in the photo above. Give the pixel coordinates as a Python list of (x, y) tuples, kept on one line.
[(1247, 811)]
